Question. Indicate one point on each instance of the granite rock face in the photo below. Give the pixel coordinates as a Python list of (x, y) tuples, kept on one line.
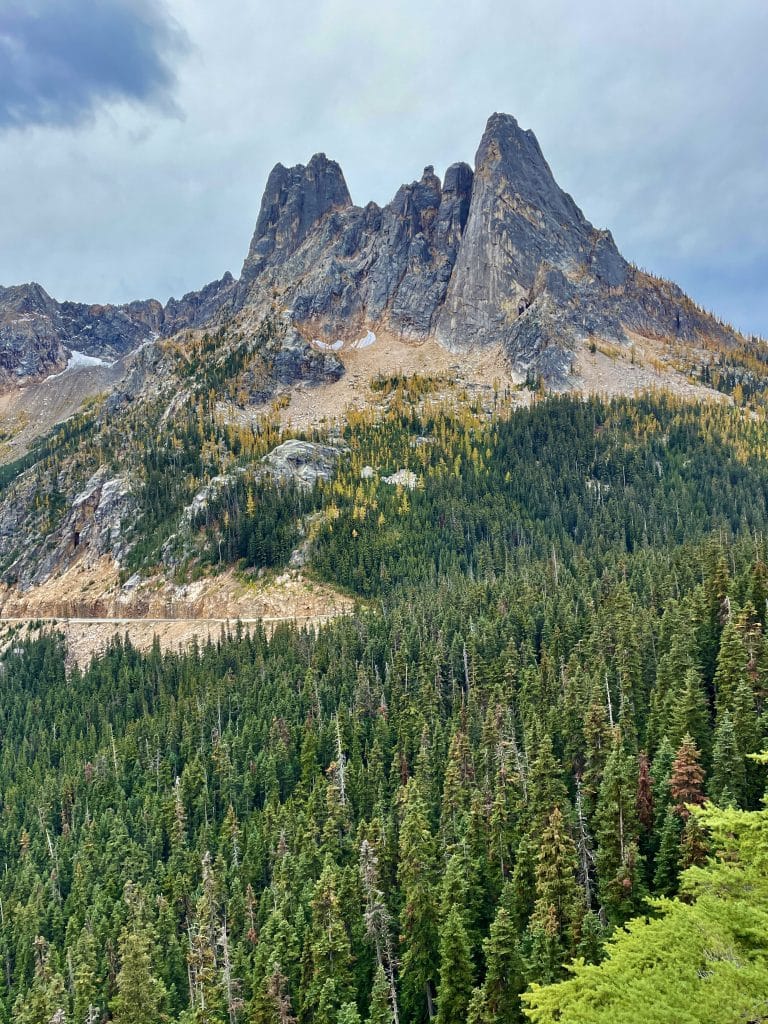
[(356, 265), (496, 256), (301, 462), (94, 525), (295, 200), (37, 334), (197, 309)]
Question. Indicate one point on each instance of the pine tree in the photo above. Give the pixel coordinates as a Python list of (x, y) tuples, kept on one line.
[(644, 800), (378, 926), (207, 995), (86, 987), (272, 1001), (348, 1014)]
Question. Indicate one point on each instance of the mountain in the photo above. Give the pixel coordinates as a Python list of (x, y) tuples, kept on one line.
[(495, 256), (38, 334), (491, 277), (346, 677)]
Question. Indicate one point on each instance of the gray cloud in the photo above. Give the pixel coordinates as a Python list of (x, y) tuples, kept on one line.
[(651, 114), (61, 59)]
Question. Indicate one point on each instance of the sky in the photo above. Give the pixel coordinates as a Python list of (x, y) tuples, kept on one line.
[(136, 135)]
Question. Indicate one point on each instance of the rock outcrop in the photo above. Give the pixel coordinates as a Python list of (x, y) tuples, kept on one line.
[(301, 462), (340, 266), (94, 525), (38, 334)]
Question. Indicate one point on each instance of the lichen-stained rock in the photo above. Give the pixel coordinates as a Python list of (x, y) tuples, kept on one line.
[(301, 462), (37, 334), (500, 256), (215, 486), (295, 200), (199, 308), (525, 241), (497, 256), (295, 361)]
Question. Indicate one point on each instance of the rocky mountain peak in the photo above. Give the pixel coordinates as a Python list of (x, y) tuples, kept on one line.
[(498, 255), (295, 200)]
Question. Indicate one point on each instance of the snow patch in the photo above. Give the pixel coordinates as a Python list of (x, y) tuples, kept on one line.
[(78, 361), (365, 342), (339, 344)]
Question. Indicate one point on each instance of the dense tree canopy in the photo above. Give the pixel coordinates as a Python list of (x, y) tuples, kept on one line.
[(421, 809)]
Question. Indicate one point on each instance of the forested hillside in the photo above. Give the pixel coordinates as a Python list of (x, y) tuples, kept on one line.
[(427, 807)]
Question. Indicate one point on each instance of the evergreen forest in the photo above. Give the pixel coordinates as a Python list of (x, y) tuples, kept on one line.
[(522, 781)]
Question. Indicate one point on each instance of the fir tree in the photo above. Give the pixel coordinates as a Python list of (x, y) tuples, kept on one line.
[(687, 777), (417, 877), (726, 785), (141, 995), (455, 988), (619, 865)]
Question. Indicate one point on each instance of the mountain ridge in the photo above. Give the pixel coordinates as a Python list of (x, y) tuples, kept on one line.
[(498, 254)]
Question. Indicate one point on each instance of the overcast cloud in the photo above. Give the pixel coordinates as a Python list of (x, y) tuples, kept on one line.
[(136, 136)]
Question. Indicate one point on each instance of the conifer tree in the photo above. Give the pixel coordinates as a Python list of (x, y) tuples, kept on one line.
[(348, 1014), (207, 995), (417, 878), (141, 995), (667, 867), (86, 987), (731, 665), (559, 907), (687, 777), (46, 1000), (455, 988), (690, 713), (327, 956), (726, 785), (272, 1001), (380, 1011), (619, 866), (497, 1000), (644, 801)]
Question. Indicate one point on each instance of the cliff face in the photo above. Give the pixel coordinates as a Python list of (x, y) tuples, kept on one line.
[(495, 256), (339, 266)]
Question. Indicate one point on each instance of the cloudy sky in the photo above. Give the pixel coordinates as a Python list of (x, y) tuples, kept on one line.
[(136, 135)]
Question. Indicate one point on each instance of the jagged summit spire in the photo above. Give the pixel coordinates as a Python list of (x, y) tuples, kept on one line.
[(295, 199)]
